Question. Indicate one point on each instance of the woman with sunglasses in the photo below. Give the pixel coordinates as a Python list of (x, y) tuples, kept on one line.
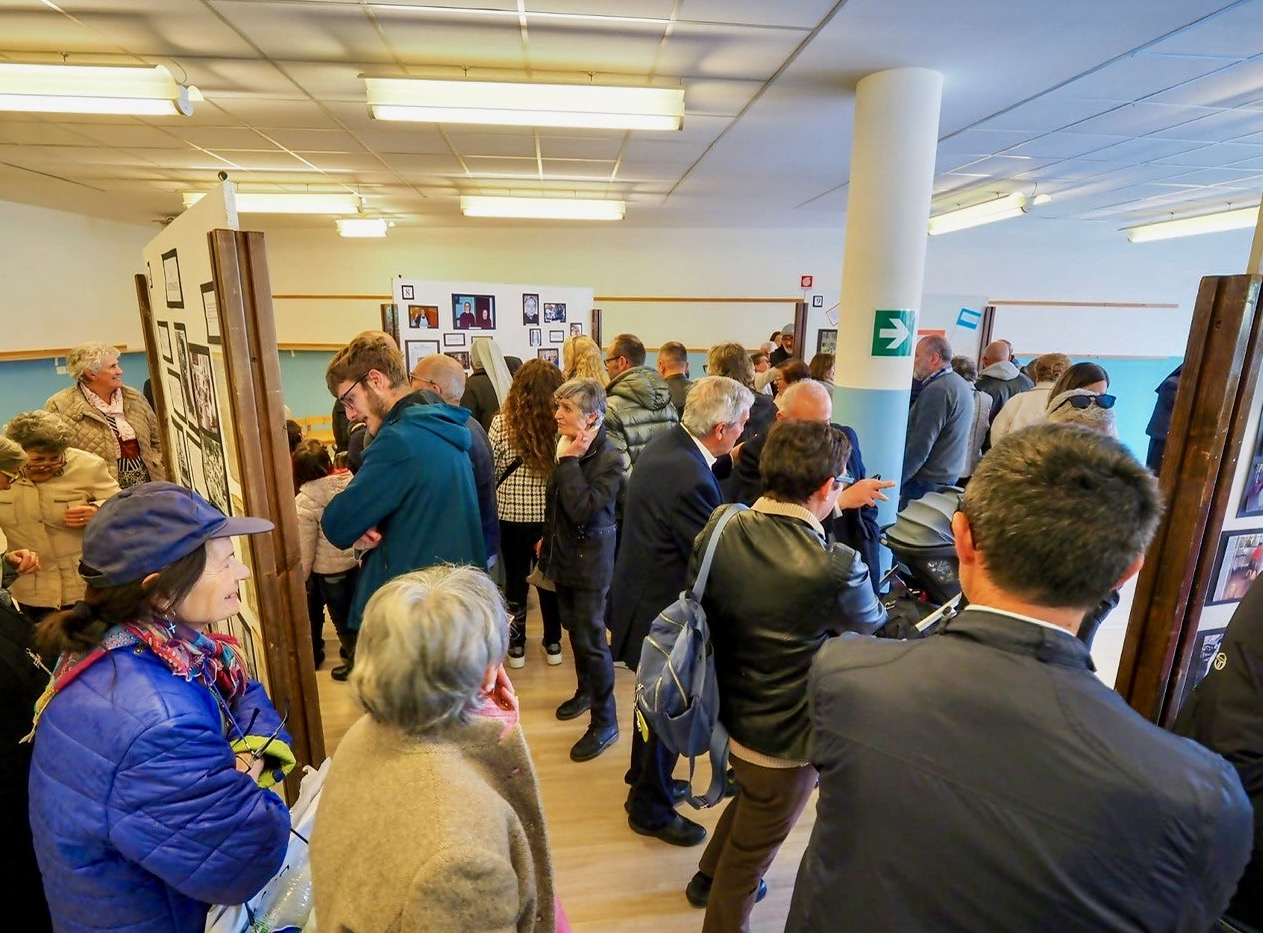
[(155, 748), (1089, 409), (45, 507)]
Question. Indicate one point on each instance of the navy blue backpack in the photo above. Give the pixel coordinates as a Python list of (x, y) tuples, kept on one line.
[(676, 691)]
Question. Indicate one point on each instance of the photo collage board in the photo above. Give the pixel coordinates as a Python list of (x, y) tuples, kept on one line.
[(199, 429), (526, 321)]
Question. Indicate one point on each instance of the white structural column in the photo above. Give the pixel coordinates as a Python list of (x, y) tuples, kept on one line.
[(892, 175)]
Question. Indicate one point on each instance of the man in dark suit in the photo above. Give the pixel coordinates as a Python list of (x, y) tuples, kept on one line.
[(671, 494), (995, 741)]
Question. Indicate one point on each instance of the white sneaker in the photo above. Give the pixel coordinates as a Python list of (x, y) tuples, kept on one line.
[(552, 652), (517, 657)]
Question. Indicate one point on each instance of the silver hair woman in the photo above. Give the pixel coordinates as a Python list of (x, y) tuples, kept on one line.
[(46, 504), (108, 418), (430, 818)]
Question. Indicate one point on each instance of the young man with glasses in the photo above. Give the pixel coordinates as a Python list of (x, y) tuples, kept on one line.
[(413, 502)]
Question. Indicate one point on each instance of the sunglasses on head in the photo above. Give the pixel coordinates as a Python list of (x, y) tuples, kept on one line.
[(1083, 402)]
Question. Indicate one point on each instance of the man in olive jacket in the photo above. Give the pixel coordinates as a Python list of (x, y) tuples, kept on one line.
[(985, 778), (638, 400)]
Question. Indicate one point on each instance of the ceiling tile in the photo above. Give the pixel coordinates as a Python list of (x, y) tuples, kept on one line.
[(42, 134), (455, 39), (341, 162), (1214, 156), (424, 164), (1139, 119), (521, 145), (133, 137), (576, 147), (285, 31), (578, 47), (1065, 145), (631, 171), (578, 168), (310, 140), (1048, 112), (656, 9), (708, 51), (1233, 33), (1145, 149), (1218, 127), (1213, 176), (983, 142), (499, 167), (278, 113), (802, 14), (224, 137), (1237, 84), (1137, 76), (273, 159)]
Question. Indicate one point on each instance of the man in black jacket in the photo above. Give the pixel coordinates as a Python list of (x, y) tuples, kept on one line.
[(670, 496), (985, 778)]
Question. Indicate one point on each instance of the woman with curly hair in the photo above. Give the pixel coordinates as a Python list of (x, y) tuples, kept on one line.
[(524, 442), (582, 358)]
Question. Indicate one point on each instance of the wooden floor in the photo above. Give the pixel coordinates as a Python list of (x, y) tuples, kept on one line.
[(610, 879)]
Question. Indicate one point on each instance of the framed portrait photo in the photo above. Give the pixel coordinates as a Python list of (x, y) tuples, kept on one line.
[(423, 316), (530, 309), (1238, 563), (474, 312), (576, 329), (827, 340), (537, 336), (1252, 495)]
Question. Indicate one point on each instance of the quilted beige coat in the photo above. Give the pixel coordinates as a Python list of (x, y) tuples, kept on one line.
[(33, 515), (91, 432)]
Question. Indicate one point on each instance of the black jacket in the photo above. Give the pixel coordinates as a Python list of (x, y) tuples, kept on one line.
[(670, 496), (579, 532), (680, 385), (1225, 713), (985, 779), (762, 415), (480, 398), (776, 593)]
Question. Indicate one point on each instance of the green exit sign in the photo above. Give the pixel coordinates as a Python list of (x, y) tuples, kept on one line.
[(892, 332)]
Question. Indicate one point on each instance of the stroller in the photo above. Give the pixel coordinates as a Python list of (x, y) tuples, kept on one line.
[(924, 581)]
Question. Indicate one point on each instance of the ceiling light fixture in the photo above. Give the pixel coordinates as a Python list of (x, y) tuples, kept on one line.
[(1002, 208), (1235, 219), (94, 89), (542, 208), (509, 104), (361, 226), (297, 203), (532, 14)]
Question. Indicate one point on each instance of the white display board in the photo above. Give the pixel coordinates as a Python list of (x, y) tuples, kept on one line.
[(526, 321)]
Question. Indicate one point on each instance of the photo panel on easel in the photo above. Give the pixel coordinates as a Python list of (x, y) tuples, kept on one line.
[(182, 454)]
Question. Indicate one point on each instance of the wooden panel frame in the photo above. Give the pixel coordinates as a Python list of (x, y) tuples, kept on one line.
[(247, 324), (1212, 406)]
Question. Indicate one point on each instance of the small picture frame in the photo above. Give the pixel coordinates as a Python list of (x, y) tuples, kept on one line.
[(210, 308), (417, 350), (1252, 496), (555, 313), (530, 309), (537, 336), (1238, 562), (551, 354), (454, 340), (556, 336), (473, 312), (171, 279), (827, 340), (817, 301), (423, 317), (462, 357), (407, 292), (164, 341), (576, 329)]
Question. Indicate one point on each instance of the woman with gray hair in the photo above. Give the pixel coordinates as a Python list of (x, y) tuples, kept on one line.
[(430, 818), (108, 418), (577, 554), (45, 506)]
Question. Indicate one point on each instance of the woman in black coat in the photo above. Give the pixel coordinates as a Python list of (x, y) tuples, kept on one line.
[(577, 554)]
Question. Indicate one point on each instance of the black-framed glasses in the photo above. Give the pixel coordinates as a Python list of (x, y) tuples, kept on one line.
[(1084, 402), (612, 359), (345, 398)]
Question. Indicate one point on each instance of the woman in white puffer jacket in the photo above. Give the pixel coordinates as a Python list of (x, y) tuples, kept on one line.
[(333, 573)]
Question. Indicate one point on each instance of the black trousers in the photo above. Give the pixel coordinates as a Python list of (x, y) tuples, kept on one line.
[(583, 616), (650, 777), (517, 551), (335, 590)]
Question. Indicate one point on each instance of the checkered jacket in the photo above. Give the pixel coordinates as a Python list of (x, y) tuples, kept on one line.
[(520, 498)]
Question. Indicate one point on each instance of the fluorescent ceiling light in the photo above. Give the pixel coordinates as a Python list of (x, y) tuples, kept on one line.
[(1238, 219), (361, 226), (93, 89), (508, 104), (532, 14), (542, 208), (1011, 205), (300, 203)]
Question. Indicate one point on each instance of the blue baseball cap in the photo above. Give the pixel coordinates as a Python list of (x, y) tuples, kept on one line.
[(148, 527)]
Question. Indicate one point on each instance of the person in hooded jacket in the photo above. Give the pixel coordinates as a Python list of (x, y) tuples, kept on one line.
[(413, 502), (638, 400), (999, 377)]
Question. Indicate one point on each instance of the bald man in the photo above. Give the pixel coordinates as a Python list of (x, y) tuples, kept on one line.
[(999, 376)]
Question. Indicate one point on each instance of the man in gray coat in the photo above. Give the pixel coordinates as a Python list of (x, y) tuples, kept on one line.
[(985, 778), (999, 377), (936, 451)]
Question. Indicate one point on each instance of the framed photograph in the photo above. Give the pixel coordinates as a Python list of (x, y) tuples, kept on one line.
[(453, 340), (182, 360), (1252, 495), (817, 301), (576, 329), (474, 312), (407, 292), (186, 470), (1237, 564), (415, 351), (175, 394), (460, 356), (1205, 656), (554, 313), (827, 341), (205, 405), (537, 336), (426, 316), (216, 478), (530, 309), (551, 354), (197, 471), (171, 279), (390, 319), (211, 309), (164, 340), (556, 336)]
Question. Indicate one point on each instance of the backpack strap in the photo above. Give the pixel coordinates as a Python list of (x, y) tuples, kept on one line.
[(699, 585)]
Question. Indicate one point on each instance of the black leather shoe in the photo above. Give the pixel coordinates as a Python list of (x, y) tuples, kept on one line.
[(680, 790), (341, 672), (594, 741), (574, 707), (678, 831), (698, 890)]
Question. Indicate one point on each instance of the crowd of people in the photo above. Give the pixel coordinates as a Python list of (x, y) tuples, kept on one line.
[(983, 778)]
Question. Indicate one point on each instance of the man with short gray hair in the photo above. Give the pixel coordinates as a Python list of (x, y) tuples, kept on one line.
[(670, 496), (995, 740)]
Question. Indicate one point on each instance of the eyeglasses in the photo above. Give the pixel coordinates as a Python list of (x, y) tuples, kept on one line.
[(1084, 402), (612, 359), (44, 464), (345, 398)]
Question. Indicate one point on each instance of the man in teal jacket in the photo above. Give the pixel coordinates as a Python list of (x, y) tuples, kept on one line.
[(413, 503)]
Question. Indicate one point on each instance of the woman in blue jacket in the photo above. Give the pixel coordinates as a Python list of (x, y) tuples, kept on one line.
[(153, 744)]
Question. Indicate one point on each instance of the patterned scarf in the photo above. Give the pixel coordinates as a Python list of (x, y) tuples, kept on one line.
[(113, 411), (210, 658)]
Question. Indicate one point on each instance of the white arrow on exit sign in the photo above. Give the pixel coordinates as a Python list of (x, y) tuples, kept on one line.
[(896, 334)]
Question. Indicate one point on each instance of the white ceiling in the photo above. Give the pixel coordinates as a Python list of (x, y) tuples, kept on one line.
[(1122, 110)]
